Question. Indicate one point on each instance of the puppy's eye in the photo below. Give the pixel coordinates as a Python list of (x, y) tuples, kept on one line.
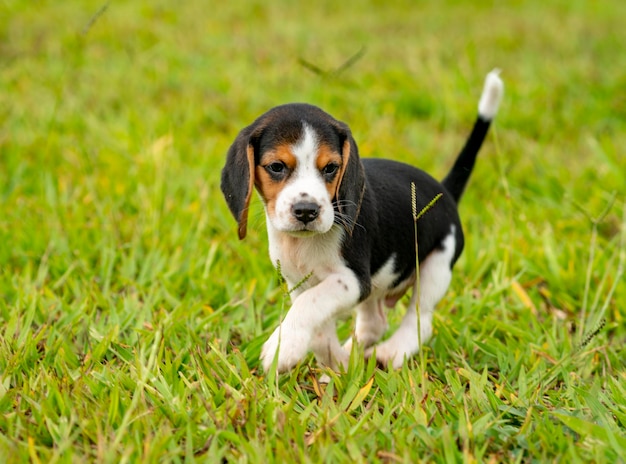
[(276, 167), (330, 169)]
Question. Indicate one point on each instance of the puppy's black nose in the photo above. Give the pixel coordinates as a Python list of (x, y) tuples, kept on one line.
[(305, 211)]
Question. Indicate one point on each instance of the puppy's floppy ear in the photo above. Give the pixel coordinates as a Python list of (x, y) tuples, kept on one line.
[(238, 177), (351, 184)]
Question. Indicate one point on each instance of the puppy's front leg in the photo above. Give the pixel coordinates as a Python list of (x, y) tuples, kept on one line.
[(309, 324)]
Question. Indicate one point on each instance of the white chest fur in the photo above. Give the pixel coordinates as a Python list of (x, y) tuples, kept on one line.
[(317, 255)]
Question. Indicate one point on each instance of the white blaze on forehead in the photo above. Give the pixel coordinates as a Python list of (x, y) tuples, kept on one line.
[(305, 150)]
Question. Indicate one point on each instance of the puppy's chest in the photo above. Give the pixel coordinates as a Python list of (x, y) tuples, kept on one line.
[(311, 258)]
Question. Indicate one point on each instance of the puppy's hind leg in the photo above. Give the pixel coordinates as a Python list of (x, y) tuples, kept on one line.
[(435, 276)]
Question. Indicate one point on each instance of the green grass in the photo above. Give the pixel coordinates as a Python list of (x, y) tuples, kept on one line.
[(131, 317)]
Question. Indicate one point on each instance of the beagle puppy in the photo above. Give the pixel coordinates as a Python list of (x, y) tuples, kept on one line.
[(342, 230)]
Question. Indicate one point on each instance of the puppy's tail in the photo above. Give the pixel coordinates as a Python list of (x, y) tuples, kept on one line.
[(490, 99)]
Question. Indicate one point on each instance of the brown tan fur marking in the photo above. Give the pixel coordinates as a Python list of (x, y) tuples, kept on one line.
[(270, 188), (326, 155)]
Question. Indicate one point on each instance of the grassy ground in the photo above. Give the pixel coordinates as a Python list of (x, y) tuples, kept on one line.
[(131, 318)]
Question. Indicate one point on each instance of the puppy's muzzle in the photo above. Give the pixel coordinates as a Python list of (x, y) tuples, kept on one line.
[(305, 212)]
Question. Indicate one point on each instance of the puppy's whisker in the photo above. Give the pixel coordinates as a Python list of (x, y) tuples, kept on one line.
[(340, 203), (342, 222), (341, 217), (347, 222)]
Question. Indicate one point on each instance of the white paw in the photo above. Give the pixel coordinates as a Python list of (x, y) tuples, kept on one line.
[(291, 346), (393, 353)]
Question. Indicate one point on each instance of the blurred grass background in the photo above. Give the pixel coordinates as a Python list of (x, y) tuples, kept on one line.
[(132, 318)]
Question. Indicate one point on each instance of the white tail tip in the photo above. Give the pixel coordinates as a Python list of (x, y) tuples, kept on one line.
[(492, 95)]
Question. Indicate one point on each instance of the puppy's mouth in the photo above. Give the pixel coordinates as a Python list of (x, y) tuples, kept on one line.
[(300, 230), (297, 229), (303, 233)]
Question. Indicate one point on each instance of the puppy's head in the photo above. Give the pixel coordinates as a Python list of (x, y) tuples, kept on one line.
[(304, 164)]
